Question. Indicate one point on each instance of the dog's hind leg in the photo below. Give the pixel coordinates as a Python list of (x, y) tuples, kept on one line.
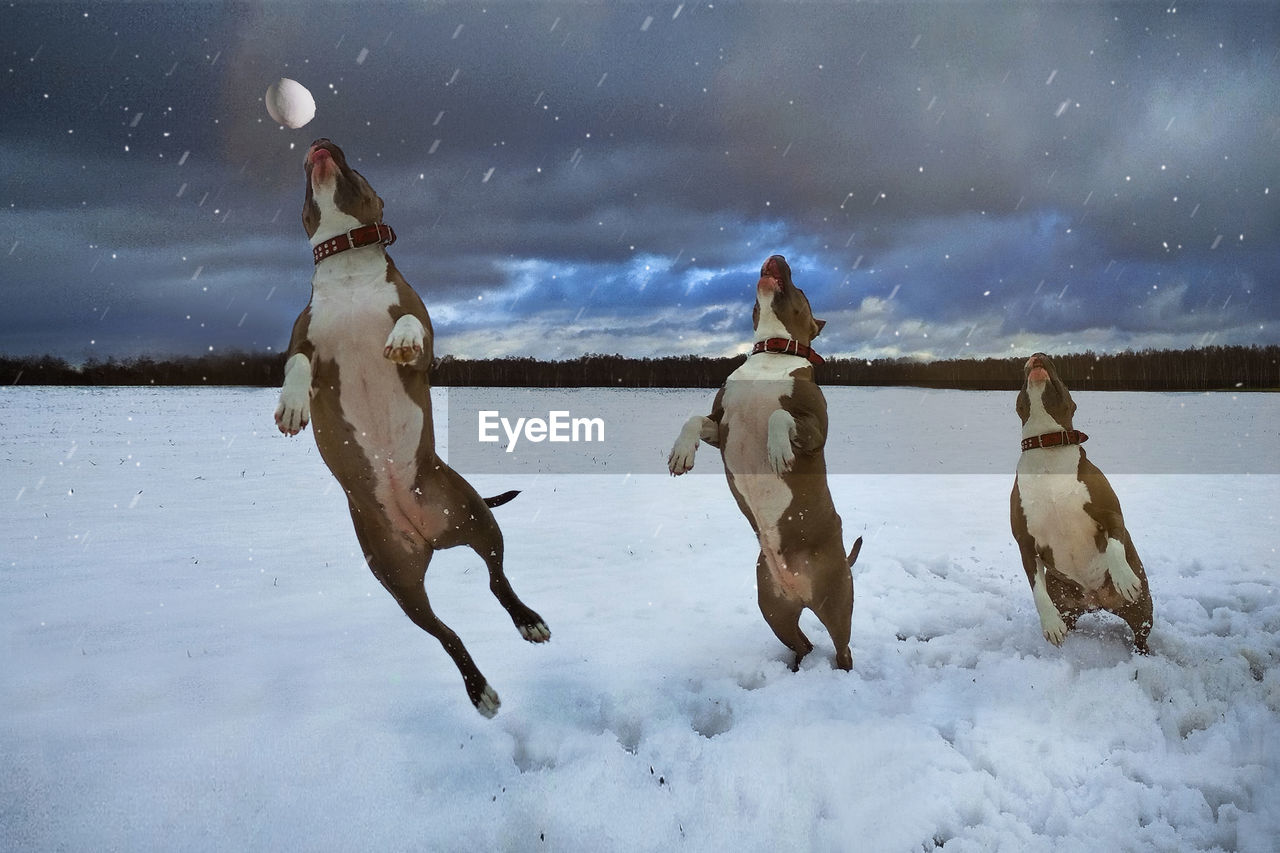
[(412, 598), (1137, 613), (527, 621), (485, 538), (835, 610), (781, 612), (401, 566)]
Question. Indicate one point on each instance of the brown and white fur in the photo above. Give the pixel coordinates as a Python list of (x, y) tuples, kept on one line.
[(770, 423), (357, 370), (1075, 548)]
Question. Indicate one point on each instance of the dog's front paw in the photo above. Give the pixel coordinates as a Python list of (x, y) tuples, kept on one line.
[(486, 701), (293, 412), (1055, 629), (782, 453), (538, 632), (294, 409), (781, 456), (404, 344), (1122, 575), (680, 459), (1051, 621)]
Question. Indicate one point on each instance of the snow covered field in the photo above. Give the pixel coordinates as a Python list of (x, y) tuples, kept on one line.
[(196, 658)]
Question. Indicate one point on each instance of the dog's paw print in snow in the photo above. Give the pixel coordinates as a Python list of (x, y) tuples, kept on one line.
[(534, 747), (969, 607), (710, 717), (764, 673), (706, 712), (623, 720), (628, 732)]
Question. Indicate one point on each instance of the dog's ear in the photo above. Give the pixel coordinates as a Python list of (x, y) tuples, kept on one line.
[(1024, 404), (755, 316), (817, 328)]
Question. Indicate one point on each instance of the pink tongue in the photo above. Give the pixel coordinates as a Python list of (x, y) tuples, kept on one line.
[(1038, 374)]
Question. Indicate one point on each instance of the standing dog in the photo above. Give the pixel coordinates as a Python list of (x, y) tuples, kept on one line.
[(357, 367), (1076, 551), (770, 423)]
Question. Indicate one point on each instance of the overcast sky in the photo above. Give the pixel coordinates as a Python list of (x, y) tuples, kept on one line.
[(945, 179)]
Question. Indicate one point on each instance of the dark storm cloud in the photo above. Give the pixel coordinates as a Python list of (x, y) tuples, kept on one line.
[(943, 177)]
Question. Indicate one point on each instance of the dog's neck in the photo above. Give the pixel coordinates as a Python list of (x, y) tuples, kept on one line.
[(769, 325), (329, 243), (333, 219), (1040, 421), (772, 334)]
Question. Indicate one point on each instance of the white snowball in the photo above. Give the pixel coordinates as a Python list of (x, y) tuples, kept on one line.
[(289, 103)]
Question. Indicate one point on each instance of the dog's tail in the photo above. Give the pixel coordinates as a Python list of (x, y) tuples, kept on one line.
[(499, 500), (853, 552)]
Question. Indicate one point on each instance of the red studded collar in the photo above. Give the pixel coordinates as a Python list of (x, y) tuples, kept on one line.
[(365, 235)]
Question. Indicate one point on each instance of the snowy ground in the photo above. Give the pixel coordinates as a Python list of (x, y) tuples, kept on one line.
[(195, 656)]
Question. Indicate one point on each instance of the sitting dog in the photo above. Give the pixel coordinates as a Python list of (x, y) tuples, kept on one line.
[(1076, 551), (357, 368), (770, 423)]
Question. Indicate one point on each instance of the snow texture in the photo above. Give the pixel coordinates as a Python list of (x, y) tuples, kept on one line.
[(196, 657)]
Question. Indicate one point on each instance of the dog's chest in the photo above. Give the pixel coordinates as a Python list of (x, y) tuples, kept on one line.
[(350, 320), (752, 393), (1053, 500)]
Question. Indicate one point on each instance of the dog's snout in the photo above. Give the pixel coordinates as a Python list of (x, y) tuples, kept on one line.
[(317, 154), (320, 147), (775, 267)]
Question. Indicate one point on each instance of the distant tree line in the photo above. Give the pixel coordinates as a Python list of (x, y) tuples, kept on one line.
[(236, 368), (1203, 369)]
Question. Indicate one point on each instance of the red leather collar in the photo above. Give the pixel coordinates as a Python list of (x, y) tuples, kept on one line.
[(1054, 439), (790, 346), (365, 235)]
